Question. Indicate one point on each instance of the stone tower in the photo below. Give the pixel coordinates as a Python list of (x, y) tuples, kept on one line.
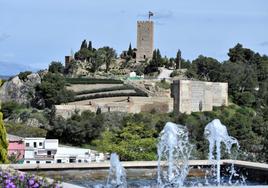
[(145, 40)]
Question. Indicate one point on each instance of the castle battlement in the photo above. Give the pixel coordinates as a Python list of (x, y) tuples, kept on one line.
[(145, 22)]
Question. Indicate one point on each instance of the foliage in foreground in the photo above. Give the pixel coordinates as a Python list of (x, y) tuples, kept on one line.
[(3, 141), (134, 142), (136, 136), (14, 179)]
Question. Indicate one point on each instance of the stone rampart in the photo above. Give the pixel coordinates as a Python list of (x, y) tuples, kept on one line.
[(193, 96), (135, 105)]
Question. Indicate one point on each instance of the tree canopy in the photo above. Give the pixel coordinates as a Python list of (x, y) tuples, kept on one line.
[(52, 91), (56, 67)]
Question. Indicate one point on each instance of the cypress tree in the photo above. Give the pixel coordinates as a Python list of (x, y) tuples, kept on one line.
[(130, 51), (83, 45), (89, 46), (178, 60), (3, 141)]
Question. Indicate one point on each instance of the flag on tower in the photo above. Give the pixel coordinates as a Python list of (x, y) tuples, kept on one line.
[(150, 14)]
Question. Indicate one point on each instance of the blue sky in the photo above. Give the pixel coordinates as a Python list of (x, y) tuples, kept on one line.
[(34, 33)]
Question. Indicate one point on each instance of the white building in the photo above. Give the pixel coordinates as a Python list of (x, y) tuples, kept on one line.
[(132, 74), (77, 155), (41, 150)]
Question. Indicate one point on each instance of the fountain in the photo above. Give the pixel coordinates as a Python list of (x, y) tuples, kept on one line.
[(117, 174), (173, 151), (174, 148), (216, 133)]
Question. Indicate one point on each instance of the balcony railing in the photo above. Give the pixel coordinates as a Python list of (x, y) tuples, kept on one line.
[(43, 156)]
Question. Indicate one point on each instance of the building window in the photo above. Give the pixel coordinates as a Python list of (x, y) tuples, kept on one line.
[(27, 144), (49, 153), (40, 143), (58, 160), (37, 162), (48, 161), (34, 144), (79, 161), (27, 161), (72, 160), (35, 153)]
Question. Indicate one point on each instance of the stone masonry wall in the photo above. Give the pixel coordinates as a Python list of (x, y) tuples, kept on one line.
[(136, 105), (193, 96), (145, 37)]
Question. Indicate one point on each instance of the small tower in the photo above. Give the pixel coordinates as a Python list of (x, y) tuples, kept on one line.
[(145, 39), (68, 59)]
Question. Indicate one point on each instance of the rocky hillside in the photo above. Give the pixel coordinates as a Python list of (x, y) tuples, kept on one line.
[(20, 90)]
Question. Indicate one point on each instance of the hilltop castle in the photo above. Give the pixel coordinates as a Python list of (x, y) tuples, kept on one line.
[(145, 42)]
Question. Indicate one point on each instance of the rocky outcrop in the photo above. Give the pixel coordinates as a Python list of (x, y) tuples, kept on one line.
[(18, 90), (32, 122)]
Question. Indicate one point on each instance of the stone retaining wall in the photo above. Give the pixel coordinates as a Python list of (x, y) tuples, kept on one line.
[(135, 105)]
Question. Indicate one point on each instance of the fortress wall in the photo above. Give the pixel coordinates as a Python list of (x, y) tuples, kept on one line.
[(159, 104), (136, 105), (220, 94), (66, 111), (193, 96)]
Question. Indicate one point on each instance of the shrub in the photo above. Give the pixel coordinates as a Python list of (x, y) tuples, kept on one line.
[(23, 131), (11, 107), (124, 87), (137, 93), (92, 81), (23, 75), (56, 67), (163, 84), (246, 99), (52, 91)]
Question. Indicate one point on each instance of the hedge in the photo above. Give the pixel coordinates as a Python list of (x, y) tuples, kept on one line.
[(137, 93), (115, 88), (92, 81)]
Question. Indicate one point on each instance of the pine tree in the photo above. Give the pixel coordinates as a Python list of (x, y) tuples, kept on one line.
[(3, 141)]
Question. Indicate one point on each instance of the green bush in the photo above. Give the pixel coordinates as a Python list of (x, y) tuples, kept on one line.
[(115, 88), (11, 107), (52, 91), (77, 130), (137, 93), (134, 142), (163, 84), (56, 67), (23, 131), (246, 99), (92, 81), (23, 75)]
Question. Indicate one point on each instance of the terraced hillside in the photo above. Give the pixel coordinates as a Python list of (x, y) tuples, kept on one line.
[(86, 89)]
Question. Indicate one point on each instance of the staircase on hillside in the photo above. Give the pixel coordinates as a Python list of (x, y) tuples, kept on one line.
[(141, 87)]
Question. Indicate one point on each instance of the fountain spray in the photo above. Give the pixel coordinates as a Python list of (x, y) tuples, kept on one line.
[(117, 174), (216, 133), (174, 149)]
